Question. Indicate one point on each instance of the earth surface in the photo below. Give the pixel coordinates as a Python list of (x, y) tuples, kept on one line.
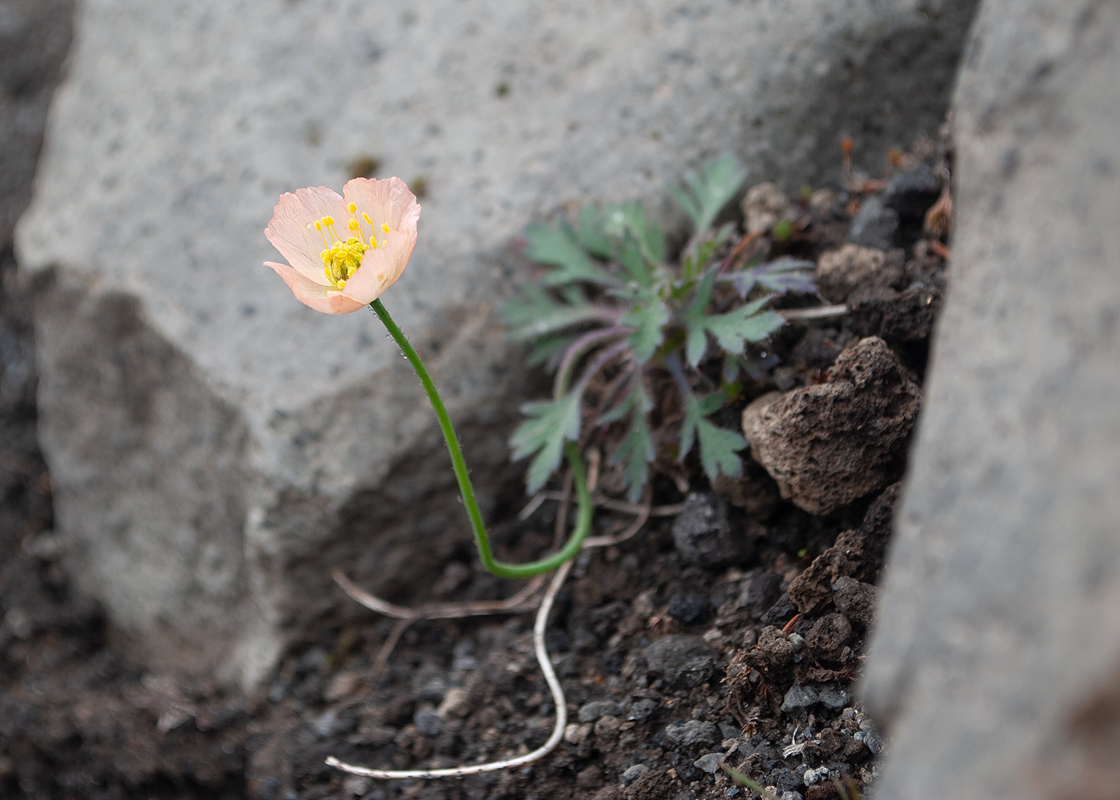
[(728, 629)]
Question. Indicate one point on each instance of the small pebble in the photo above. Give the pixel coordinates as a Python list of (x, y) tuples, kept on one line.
[(692, 733), (589, 712), (641, 709), (429, 723), (633, 773), (709, 762)]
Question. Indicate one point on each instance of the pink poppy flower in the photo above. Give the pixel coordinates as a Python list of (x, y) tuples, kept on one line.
[(344, 251)]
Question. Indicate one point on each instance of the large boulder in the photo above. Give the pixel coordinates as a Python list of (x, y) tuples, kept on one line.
[(996, 664), (215, 446)]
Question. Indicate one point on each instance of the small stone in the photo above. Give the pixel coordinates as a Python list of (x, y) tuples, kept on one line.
[(589, 778), (709, 762), (814, 776), (577, 734), (775, 647), (589, 712), (633, 773), (641, 709), (429, 723), (797, 641), (682, 660), (763, 207), (688, 608), (703, 534), (607, 727), (874, 225), (828, 636), (693, 733), (456, 703), (851, 266), (791, 795), (856, 600), (831, 443), (803, 695), (760, 592)]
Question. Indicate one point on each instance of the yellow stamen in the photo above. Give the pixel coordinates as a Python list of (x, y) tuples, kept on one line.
[(384, 228), (352, 208)]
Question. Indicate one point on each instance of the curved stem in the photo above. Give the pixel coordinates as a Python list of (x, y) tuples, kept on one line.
[(459, 465)]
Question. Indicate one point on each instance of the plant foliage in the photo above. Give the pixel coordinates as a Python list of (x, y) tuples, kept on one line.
[(608, 315)]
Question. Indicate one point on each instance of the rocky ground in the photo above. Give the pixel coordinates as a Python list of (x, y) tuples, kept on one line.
[(730, 628)]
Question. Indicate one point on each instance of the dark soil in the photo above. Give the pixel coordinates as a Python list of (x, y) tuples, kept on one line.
[(732, 628)]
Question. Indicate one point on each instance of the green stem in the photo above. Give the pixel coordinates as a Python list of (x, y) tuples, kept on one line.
[(501, 568)]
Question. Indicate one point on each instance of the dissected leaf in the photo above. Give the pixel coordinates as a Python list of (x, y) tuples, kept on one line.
[(636, 450), (548, 425), (719, 447), (731, 329), (710, 189), (547, 348), (649, 319), (591, 234), (536, 312), (780, 276), (627, 222), (558, 246)]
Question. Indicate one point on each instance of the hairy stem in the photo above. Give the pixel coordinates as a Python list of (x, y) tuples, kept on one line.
[(459, 465)]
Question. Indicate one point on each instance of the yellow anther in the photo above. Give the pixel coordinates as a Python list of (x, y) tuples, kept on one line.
[(352, 208), (328, 221), (353, 225), (369, 221), (318, 226), (384, 228)]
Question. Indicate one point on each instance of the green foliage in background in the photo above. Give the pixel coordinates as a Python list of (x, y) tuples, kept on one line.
[(609, 313)]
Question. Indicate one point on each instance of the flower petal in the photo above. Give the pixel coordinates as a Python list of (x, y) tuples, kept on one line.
[(315, 295), (381, 267), (387, 201), (292, 229)]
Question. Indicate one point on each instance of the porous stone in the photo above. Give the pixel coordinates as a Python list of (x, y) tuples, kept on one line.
[(693, 733), (995, 654), (831, 443), (215, 447)]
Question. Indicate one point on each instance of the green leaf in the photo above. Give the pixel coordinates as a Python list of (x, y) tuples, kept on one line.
[(558, 246), (536, 313), (636, 450), (649, 317), (732, 329), (591, 235), (719, 447), (709, 190), (627, 222), (739, 326), (548, 425)]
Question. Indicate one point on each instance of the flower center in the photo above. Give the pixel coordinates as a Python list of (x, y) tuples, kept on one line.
[(342, 257)]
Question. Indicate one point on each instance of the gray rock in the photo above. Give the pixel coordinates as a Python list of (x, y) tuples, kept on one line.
[(632, 774), (641, 709), (429, 723), (994, 659), (216, 448), (911, 192), (709, 762), (703, 533), (681, 660), (874, 225), (803, 695), (693, 733), (589, 712)]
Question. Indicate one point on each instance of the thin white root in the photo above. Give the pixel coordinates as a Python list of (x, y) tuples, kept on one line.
[(558, 700), (821, 312), (522, 601)]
